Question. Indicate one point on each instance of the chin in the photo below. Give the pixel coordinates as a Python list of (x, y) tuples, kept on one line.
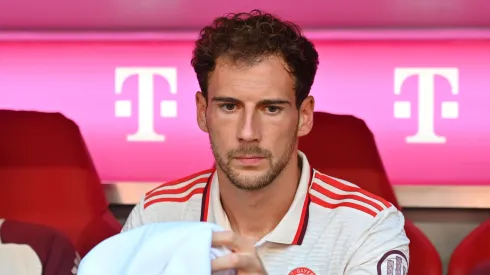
[(248, 185), (251, 180), (250, 172)]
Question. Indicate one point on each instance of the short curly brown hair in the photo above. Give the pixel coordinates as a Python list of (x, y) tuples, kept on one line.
[(249, 37)]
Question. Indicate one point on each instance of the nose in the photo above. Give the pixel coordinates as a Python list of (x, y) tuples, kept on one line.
[(248, 128)]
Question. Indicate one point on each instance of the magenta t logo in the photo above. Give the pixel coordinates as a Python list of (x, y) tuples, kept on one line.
[(168, 108), (426, 101)]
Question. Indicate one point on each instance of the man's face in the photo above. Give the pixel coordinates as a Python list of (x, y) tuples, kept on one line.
[(252, 120)]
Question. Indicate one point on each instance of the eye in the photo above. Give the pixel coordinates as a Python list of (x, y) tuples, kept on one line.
[(273, 109), (228, 107)]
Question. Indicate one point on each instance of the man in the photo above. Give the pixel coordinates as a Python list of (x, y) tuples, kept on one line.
[(36, 249), (255, 73)]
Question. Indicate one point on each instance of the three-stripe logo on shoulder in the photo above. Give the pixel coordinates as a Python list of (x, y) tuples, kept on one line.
[(332, 193), (180, 190)]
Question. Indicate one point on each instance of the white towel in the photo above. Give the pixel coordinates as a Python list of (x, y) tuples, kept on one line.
[(173, 248)]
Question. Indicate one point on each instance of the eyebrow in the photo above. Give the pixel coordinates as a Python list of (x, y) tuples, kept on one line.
[(262, 102), (225, 99)]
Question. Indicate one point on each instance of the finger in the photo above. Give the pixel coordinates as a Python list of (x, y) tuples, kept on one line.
[(229, 261), (240, 261), (228, 239)]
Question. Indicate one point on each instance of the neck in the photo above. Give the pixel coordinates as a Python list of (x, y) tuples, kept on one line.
[(255, 214)]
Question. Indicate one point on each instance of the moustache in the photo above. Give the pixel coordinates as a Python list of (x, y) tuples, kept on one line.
[(252, 150)]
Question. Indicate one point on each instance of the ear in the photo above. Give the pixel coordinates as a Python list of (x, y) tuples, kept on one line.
[(201, 106), (306, 116)]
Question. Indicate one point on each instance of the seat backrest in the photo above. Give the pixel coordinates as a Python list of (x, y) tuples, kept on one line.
[(472, 252), (424, 258), (47, 175), (343, 146)]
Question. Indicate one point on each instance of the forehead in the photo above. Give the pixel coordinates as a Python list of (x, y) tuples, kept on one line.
[(267, 78)]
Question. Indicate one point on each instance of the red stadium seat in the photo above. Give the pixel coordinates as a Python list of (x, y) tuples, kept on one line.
[(47, 177), (343, 146), (472, 253)]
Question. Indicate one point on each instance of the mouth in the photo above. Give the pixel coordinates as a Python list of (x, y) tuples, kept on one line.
[(250, 160)]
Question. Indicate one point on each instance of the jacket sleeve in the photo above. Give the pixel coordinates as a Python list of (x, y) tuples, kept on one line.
[(135, 218), (383, 248), (62, 259)]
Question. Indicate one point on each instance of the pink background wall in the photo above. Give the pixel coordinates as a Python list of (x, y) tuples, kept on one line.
[(78, 79), (193, 15)]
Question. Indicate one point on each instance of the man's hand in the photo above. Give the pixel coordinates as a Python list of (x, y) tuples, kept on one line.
[(244, 257)]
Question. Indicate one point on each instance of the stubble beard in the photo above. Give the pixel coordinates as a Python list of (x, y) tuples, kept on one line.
[(253, 183)]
